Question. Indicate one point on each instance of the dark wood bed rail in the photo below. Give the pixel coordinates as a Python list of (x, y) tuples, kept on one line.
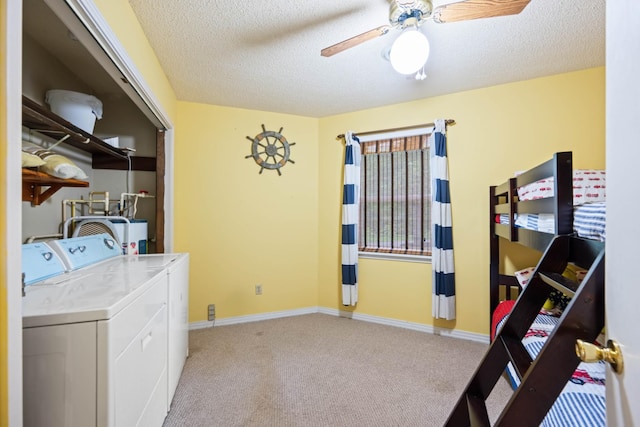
[(541, 378), (503, 199)]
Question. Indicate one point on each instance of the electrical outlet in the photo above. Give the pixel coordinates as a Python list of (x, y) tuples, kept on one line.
[(258, 289), (212, 312)]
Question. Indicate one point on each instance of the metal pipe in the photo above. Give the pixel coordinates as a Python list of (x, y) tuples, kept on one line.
[(448, 122)]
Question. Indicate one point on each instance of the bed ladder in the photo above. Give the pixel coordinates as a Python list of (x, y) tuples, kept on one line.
[(543, 378)]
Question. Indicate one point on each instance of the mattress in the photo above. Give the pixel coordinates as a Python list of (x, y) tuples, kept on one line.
[(582, 401)]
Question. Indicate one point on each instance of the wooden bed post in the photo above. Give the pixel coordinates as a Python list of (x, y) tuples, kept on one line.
[(563, 171), (494, 253)]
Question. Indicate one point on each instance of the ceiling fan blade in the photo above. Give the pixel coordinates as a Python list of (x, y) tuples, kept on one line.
[(476, 9), (354, 41)]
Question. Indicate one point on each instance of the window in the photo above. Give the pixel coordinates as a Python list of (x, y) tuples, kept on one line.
[(395, 196)]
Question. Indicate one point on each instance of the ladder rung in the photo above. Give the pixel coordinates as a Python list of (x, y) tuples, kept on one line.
[(518, 354), (478, 415), (559, 282)]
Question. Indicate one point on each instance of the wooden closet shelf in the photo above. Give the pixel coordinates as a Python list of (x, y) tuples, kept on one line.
[(104, 156), (41, 120), (34, 181)]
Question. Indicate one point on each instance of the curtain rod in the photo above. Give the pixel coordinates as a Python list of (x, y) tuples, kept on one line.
[(448, 122)]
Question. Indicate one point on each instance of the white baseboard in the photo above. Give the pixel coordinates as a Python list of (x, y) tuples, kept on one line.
[(252, 318), (421, 327)]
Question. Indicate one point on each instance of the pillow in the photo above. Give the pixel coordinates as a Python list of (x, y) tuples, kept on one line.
[(524, 275), (588, 186), (31, 160), (56, 164)]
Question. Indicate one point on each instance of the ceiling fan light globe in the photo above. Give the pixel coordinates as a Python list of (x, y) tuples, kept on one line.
[(409, 52)]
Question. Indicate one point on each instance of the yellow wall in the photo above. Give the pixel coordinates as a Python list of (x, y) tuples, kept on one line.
[(125, 25), (243, 228), (4, 381), (499, 130)]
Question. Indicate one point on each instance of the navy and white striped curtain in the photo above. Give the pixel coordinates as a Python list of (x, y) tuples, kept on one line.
[(350, 216), (444, 293)]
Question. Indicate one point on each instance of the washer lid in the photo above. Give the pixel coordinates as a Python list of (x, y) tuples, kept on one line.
[(85, 296), (146, 261)]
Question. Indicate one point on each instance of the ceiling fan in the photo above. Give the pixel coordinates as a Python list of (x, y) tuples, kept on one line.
[(412, 13)]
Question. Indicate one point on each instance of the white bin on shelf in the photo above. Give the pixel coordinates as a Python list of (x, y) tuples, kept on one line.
[(79, 109)]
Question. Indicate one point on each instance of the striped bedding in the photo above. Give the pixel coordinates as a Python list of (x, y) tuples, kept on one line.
[(582, 401), (588, 221)]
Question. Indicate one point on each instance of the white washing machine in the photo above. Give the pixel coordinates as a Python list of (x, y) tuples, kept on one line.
[(95, 339)]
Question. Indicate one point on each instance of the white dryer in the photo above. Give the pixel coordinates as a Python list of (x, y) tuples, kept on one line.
[(176, 267)]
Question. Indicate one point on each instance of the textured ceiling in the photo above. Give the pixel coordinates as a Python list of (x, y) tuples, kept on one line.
[(265, 55)]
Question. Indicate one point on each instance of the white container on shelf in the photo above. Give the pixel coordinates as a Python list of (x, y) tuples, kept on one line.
[(79, 109), (113, 141)]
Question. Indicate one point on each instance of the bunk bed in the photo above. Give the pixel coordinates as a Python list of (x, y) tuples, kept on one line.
[(540, 209), (545, 191)]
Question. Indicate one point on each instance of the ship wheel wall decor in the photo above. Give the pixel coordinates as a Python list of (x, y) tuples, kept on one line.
[(270, 149)]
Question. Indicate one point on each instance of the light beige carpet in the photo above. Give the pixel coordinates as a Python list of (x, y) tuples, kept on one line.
[(321, 370)]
